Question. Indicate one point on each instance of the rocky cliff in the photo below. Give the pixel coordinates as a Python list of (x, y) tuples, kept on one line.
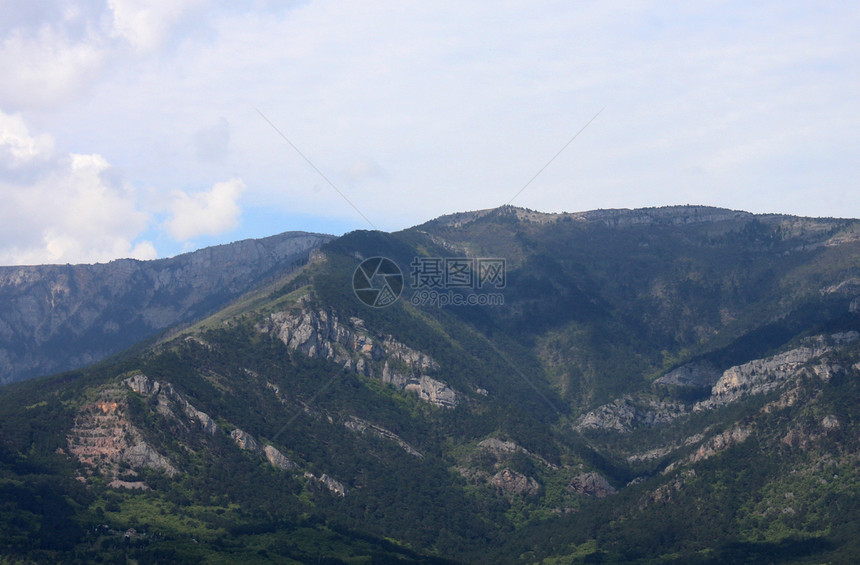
[(758, 376), (59, 317), (324, 334)]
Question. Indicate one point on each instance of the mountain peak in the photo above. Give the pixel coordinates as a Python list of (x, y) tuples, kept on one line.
[(684, 375), (615, 217)]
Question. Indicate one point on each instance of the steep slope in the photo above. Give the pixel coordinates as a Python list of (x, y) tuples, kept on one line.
[(655, 386), (60, 317), (603, 296)]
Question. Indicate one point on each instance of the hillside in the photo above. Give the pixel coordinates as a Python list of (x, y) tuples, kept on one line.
[(671, 385), (60, 317)]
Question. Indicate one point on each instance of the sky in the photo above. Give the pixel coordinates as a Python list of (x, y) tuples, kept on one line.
[(144, 129)]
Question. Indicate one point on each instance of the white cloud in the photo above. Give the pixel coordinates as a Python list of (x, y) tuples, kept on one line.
[(40, 69), (51, 54), (71, 212), (145, 23), (205, 213), (17, 146)]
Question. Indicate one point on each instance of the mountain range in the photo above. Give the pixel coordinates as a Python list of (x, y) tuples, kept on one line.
[(60, 317), (661, 385)]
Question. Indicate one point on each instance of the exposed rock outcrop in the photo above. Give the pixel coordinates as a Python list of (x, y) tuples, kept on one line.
[(755, 377), (104, 440), (513, 482), (629, 413), (324, 334), (245, 441), (330, 483), (427, 388), (830, 422), (140, 454), (720, 442), (697, 374), (321, 333), (363, 426), (501, 448), (658, 452), (591, 484), (277, 458), (713, 446), (166, 397), (764, 375)]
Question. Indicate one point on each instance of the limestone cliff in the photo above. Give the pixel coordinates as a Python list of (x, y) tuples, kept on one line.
[(629, 413), (167, 398), (763, 375), (322, 333), (758, 376)]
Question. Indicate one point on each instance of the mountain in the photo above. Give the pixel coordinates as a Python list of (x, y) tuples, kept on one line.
[(665, 385), (60, 317)]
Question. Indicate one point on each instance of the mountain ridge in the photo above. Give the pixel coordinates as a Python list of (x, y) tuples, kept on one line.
[(44, 306), (678, 390)]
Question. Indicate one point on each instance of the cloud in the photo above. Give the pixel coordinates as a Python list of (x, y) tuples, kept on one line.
[(53, 52), (205, 213), (39, 69), (73, 211), (415, 110), (145, 23), (17, 147), (212, 143)]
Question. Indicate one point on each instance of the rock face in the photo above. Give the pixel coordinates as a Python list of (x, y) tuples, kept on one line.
[(667, 215), (167, 398), (328, 482), (324, 334), (502, 448), (713, 445), (759, 376), (628, 413), (245, 440), (763, 375), (363, 426), (700, 374), (333, 485), (277, 459), (591, 484), (512, 482), (321, 333), (105, 441), (142, 455), (720, 442), (427, 388), (59, 317)]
